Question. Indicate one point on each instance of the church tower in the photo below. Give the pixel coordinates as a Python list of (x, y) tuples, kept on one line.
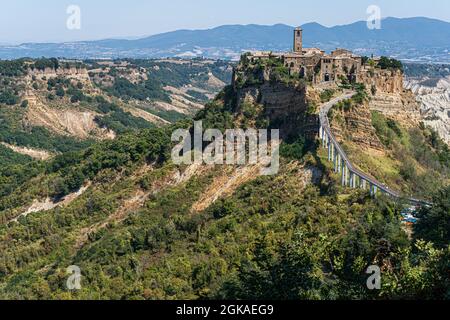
[(298, 40)]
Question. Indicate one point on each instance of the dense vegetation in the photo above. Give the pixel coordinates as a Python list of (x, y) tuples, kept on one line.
[(7, 156), (160, 74), (120, 121), (9, 87), (255, 244), (150, 89), (12, 68), (66, 173), (424, 157), (186, 72), (274, 237), (390, 63)]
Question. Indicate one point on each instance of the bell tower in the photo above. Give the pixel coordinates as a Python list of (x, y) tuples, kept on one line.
[(298, 40)]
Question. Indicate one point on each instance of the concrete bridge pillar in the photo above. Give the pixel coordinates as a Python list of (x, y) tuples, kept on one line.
[(355, 177), (373, 190), (339, 162), (330, 151), (352, 180), (362, 183), (347, 175), (344, 174), (336, 162)]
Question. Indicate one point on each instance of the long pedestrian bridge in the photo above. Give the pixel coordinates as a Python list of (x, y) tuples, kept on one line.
[(351, 176)]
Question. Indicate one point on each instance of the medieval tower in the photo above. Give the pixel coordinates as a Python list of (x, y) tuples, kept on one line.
[(298, 40)]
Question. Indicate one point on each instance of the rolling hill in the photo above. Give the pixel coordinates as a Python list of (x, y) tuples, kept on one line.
[(417, 39)]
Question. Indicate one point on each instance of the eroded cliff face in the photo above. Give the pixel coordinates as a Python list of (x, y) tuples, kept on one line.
[(434, 104), (286, 106), (411, 101), (80, 74), (388, 96), (355, 125), (400, 106), (385, 81)]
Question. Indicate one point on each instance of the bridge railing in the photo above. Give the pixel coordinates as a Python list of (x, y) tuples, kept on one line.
[(342, 163)]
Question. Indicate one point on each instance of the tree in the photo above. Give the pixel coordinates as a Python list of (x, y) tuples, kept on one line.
[(434, 221), (387, 63), (24, 104), (60, 92), (77, 97), (8, 97)]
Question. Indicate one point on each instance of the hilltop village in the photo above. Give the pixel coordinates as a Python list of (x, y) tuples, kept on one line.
[(319, 68), (313, 63)]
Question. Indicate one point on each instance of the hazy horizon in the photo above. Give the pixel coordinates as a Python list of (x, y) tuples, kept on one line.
[(131, 37), (29, 21)]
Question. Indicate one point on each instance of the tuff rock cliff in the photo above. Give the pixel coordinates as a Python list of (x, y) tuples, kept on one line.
[(434, 103)]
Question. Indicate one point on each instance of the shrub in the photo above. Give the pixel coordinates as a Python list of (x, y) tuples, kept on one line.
[(387, 63), (60, 92)]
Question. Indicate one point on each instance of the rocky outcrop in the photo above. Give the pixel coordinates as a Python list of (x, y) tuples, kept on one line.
[(434, 104), (69, 122), (278, 99), (356, 125), (388, 95), (70, 73), (385, 81), (401, 107), (286, 106)]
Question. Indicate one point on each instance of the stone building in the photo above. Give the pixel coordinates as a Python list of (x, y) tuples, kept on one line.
[(313, 64), (298, 40), (340, 63)]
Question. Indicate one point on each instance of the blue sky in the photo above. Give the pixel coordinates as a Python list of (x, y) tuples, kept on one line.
[(45, 20)]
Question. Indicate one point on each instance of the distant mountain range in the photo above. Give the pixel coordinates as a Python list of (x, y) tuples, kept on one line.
[(413, 39)]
